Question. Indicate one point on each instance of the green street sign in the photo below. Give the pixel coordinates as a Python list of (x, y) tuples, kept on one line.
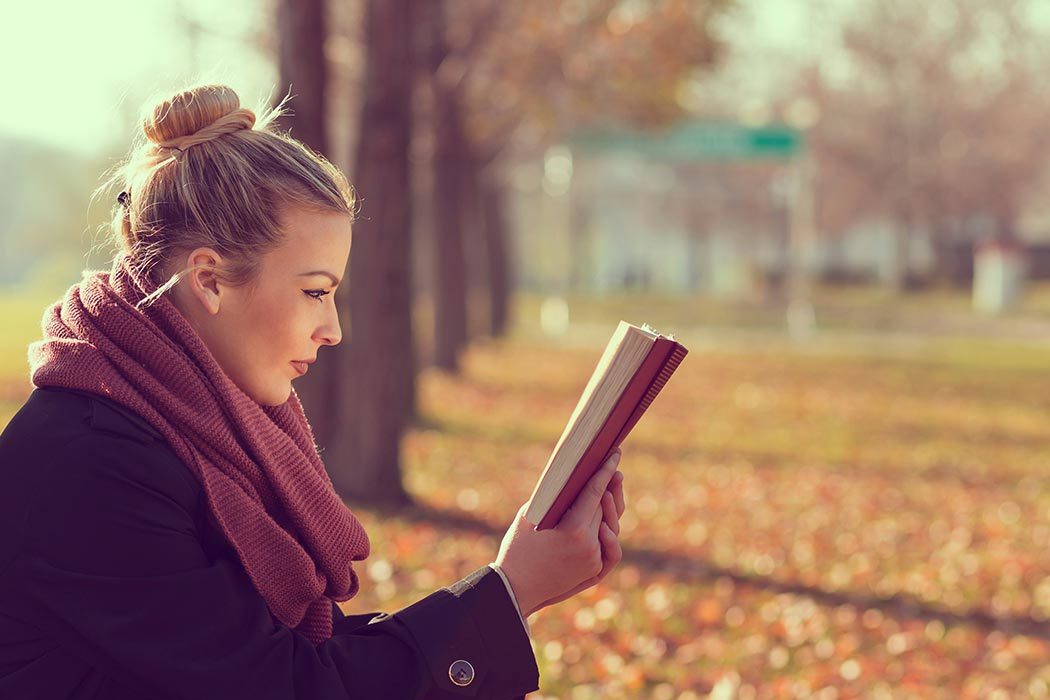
[(694, 141)]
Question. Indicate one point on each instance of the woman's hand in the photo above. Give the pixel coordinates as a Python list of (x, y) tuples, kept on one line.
[(612, 508), (547, 566)]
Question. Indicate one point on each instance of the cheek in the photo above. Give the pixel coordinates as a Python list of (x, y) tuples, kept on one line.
[(256, 340), (275, 328), (281, 331)]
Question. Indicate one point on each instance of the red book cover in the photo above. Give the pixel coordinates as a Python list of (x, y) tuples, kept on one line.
[(661, 361)]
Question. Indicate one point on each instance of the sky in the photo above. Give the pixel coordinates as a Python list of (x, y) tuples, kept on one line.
[(77, 83), (76, 73)]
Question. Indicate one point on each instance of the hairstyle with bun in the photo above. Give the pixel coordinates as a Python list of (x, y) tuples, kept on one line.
[(205, 172)]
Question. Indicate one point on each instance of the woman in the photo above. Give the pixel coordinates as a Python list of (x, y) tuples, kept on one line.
[(168, 529)]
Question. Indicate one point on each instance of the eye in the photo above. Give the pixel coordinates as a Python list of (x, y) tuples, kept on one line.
[(316, 293)]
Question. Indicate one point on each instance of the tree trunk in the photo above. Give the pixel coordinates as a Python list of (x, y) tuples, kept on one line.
[(450, 284), (899, 262), (948, 268), (303, 71), (475, 247), (494, 229), (580, 245), (367, 450)]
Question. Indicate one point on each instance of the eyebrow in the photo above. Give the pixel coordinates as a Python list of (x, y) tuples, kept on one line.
[(335, 280)]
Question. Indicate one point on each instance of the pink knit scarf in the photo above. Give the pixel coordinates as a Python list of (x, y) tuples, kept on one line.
[(258, 465)]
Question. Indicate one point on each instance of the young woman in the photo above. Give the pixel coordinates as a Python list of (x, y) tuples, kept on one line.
[(167, 528)]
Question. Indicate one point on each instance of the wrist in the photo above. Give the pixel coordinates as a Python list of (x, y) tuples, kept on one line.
[(524, 605)]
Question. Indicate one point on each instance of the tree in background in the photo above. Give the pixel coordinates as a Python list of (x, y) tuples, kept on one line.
[(933, 116), (450, 164), (371, 415), (490, 191), (363, 403), (303, 72), (511, 79)]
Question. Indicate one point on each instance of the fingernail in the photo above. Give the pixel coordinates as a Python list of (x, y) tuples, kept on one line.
[(615, 459)]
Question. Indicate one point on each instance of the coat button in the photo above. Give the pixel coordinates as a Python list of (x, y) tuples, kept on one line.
[(461, 672)]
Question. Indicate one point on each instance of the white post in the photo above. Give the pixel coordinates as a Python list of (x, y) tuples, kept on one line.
[(801, 319)]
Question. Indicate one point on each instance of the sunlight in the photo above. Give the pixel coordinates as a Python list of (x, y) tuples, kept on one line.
[(75, 78)]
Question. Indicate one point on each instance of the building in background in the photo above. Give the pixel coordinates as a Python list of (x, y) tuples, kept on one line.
[(632, 211)]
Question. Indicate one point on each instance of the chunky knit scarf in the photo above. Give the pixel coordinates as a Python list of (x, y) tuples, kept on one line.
[(258, 465)]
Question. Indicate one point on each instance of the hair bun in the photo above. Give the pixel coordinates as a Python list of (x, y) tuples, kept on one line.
[(195, 115)]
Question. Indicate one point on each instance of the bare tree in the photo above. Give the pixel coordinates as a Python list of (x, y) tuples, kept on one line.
[(492, 200), (303, 73), (936, 119), (366, 450), (450, 160), (516, 76)]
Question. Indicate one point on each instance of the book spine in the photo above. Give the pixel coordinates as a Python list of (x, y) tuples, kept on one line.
[(647, 381), (678, 354)]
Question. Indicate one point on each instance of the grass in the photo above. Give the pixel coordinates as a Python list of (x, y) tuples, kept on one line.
[(20, 314)]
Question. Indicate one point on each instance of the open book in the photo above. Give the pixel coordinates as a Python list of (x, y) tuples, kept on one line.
[(636, 364)]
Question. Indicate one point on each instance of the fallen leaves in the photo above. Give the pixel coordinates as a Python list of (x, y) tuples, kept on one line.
[(797, 525)]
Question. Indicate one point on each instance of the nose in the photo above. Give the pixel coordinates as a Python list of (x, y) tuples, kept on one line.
[(329, 333)]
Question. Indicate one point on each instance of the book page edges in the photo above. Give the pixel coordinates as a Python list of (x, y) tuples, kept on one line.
[(617, 344), (612, 349)]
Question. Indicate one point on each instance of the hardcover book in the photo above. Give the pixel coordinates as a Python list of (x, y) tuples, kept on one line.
[(636, 364)]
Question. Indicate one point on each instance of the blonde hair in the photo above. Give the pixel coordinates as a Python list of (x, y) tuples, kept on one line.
[(205, 172)]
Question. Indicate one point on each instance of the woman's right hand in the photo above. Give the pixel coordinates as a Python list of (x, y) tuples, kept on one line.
[(547, 566)]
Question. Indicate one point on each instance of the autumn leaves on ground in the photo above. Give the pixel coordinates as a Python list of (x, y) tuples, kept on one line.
[(842, 518), (801, 522)]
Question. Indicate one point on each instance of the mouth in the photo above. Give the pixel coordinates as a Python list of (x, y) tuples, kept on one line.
[(300, 367)]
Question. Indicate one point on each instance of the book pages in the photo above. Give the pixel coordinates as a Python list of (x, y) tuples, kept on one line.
[(623, 354)]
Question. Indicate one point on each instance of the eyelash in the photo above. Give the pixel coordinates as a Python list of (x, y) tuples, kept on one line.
[(316, 293)]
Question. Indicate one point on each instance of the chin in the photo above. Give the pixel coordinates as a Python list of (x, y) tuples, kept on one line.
[(273, 396), (283, 398)]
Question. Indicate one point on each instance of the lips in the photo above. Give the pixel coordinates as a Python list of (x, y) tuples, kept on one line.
[(300, 367)]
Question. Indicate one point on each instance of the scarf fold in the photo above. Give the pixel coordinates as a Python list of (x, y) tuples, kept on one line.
[(258, 465)]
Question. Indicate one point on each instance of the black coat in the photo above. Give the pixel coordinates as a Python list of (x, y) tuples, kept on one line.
[(116, 584)]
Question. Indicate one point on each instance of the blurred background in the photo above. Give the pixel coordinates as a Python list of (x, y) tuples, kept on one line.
[(842, 207)]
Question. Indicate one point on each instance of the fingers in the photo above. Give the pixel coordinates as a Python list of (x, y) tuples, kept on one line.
[(590, 498), (596, 520), (609, 515), (611, 550), (608, 539), (616, 486), (520, 520), (612, 554)]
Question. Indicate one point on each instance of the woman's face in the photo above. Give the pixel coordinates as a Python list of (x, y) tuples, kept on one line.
[(263, 333)]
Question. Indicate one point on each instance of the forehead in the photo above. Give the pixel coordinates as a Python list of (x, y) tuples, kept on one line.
[(314, 238)]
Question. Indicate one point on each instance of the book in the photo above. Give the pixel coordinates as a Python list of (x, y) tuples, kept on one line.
[(635, 366)]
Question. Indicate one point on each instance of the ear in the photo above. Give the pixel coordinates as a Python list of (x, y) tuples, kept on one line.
[(203, 281)]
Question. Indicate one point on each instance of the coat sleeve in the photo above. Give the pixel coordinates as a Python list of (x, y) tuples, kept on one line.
[(510, 591), (113, 567)]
